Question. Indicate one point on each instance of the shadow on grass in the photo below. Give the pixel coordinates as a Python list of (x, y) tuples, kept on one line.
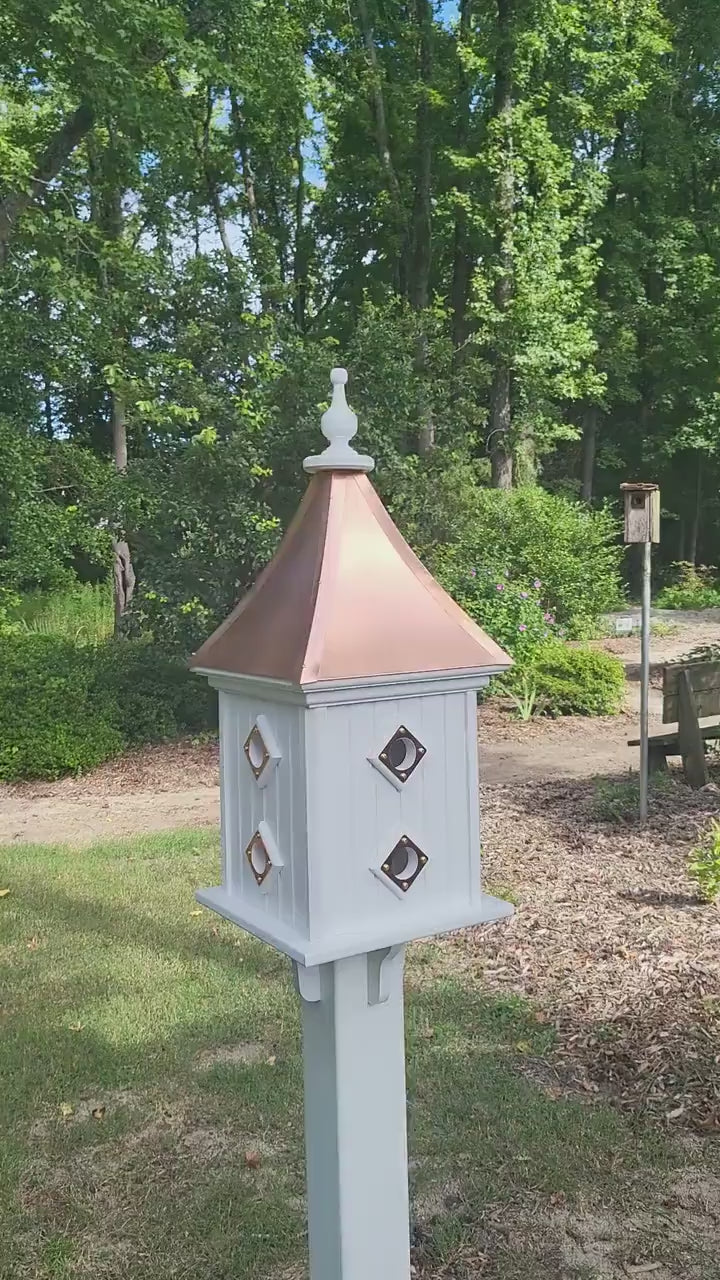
[(199, 1172)]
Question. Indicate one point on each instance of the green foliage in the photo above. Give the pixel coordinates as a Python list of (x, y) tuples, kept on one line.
[(65, 707), (512, 613), (695, 587), (53, 717), (620, 801), (151, 696), (474, 538), (577, 681), (704, 863), (523, 694), (47, 523), (83, 612), (202, 526)]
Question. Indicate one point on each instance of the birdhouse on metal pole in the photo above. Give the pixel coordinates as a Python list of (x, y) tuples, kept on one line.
[(347, 682)]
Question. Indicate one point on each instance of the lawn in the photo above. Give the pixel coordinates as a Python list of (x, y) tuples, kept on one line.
[(151, 1103)]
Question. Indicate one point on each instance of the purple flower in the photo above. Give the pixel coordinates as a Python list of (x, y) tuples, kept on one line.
[(524, 595), (522, 627), (499, 586), (537, 584), (473, 572), (545, 635), (548, 617)]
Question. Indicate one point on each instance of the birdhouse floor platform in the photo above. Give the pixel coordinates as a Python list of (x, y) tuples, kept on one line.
[(486, 910)]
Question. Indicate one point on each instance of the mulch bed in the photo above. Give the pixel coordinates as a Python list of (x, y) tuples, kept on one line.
[(164, 766), (610, 943)]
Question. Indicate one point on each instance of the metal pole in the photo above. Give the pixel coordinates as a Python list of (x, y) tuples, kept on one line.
[(644, 682)]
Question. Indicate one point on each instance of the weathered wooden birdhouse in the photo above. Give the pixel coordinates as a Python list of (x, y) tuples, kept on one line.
[(347, 682), (642, 512)]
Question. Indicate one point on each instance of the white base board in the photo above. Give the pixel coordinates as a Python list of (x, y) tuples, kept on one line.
[(306, 952)]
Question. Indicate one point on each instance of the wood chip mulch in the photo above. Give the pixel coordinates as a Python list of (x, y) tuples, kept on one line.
[(610, 943)]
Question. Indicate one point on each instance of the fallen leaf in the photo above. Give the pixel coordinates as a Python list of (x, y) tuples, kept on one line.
[(523, 1046), (252, 1160), (65, 1110), (673, 1115), (642, 1268), (97, 1113), (4, 893), (75, 1026), (197, 912), (33, 944), (271, 1061)]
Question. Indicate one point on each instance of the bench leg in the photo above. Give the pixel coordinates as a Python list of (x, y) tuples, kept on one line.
[(692, 747), (657, 759)]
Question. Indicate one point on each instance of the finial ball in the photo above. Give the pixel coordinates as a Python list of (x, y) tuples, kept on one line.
[(338, 377)]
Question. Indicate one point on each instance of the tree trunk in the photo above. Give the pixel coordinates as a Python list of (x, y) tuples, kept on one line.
[(300, 246), (49, 165), (202, 149), (695, 528), (382, 139), (259, 249), (462, 262), (500, 420), (591, 415), (501, 461), (421, 233)]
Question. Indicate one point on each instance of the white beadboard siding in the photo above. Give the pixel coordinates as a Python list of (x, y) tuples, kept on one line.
[(334, 818), (280, 803), (356, 816)]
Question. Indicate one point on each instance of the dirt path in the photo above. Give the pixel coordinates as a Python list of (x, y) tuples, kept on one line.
[(176, 784)]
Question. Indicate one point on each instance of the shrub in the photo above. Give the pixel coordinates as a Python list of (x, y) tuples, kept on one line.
[(152, 696), (696, 587), (66, 707), (513, 613), (577, 681), (53, 717), (535, 535), (704, 864)]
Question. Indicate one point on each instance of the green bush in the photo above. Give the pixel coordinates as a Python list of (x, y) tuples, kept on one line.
[(53, 717), (513, 613), (529, 534), (696, 587), (152, 696), (66, 707), (577, 681)]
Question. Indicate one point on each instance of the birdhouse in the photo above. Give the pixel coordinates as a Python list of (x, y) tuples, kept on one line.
[(347, 683), (642, 512)]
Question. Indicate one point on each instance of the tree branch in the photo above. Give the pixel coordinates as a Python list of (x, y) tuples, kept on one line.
[(52, 160)]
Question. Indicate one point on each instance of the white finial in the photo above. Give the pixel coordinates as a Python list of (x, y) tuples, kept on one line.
[(339, 425)]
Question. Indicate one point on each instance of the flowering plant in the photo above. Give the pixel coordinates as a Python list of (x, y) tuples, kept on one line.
[(512, 611)]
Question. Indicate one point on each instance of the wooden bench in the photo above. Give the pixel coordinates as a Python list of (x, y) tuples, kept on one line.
[(691, 691)]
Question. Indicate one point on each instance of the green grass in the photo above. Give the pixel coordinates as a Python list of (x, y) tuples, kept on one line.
[(83, 612), (114, 994)]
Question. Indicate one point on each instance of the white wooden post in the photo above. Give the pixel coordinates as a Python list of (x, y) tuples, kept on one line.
[(355, 1117)]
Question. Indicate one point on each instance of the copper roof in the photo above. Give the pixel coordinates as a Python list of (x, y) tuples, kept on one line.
[(345, 598)]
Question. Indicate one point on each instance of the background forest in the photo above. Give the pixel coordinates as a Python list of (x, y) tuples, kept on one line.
[(501, 215)]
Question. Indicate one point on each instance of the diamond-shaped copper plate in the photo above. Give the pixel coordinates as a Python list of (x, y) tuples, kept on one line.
[(256, 750), (258, 858)]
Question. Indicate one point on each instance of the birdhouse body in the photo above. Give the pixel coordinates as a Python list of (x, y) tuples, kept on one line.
[(347, 681), (642, 512), (335, 814)]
